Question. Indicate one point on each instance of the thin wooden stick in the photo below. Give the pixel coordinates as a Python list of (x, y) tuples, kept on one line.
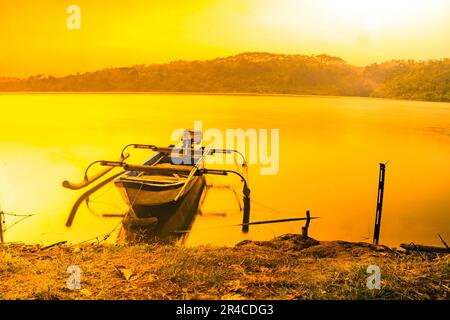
[(445, 244), (249, 224), (53, 245)]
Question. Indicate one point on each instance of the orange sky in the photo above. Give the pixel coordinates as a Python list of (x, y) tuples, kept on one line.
[(35, 39)]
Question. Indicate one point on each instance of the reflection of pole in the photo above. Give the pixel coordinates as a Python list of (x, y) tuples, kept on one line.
[(376, 232), (1, 227)]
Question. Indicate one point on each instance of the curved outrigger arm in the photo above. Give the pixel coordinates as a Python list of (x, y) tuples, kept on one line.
[(180, 149), (197, 171), (246, 189), (86, 196), (89, 180), (147, 146), (123, 156), (228, 151)]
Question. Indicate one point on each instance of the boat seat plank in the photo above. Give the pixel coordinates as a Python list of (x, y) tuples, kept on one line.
[(163, 170)]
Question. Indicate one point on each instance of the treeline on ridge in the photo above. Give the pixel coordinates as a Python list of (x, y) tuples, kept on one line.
[(259, 73)]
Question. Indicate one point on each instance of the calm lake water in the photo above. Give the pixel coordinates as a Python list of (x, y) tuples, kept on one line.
[(330, 148)]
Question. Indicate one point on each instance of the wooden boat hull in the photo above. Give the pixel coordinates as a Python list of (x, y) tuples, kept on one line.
[(161, 223), (146, 198), (162, 199)]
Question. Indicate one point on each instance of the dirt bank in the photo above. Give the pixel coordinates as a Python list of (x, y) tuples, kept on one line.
[(288, 267)]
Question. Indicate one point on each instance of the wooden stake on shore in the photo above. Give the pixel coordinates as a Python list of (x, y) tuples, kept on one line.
[(306, 227), (376, 232)]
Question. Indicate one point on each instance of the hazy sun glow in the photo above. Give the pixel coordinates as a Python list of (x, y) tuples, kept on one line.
[(35, 39), (385, 14)]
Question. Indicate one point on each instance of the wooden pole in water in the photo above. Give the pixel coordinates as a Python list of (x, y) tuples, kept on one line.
[(246, 216), (1, 227), (376, 232)]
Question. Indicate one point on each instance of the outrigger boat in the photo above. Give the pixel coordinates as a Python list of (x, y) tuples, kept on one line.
[(162, 192)]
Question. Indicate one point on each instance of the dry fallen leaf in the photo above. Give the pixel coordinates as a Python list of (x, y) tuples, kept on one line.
[(125, 272)]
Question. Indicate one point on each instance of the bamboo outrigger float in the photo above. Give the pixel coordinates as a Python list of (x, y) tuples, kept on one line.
[(162, 192)]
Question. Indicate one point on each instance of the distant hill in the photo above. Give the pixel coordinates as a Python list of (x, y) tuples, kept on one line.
[(259, 73), (428, 80)]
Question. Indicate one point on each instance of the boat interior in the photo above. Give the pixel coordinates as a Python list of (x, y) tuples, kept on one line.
[(165, 169)]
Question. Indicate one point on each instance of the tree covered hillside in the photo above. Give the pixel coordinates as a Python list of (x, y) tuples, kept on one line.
[(259, 73)]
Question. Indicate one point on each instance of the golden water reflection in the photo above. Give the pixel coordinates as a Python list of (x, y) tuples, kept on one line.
[(330, 148)]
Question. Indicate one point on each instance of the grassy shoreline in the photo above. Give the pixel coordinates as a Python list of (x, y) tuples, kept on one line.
[(288, 267)]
